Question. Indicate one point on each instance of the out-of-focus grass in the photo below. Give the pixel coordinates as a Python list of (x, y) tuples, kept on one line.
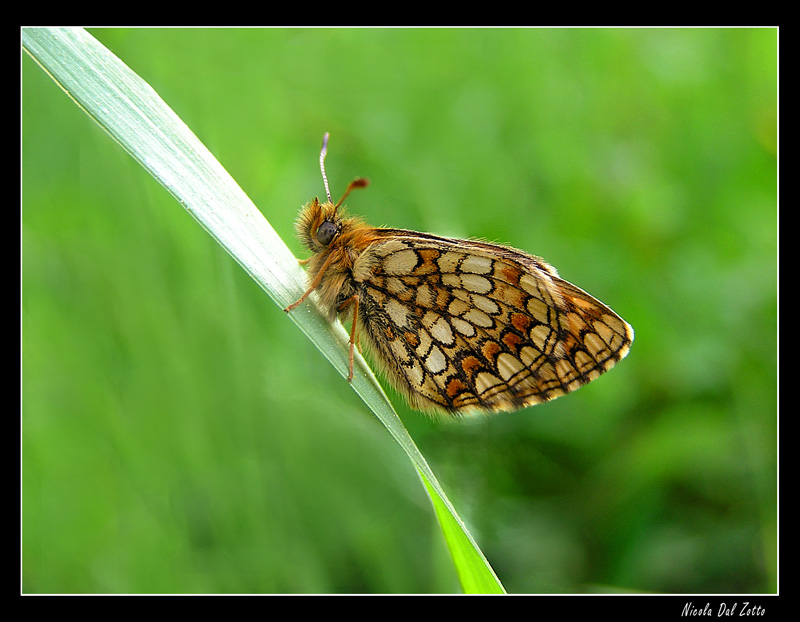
[(130, 111), (177, 436)]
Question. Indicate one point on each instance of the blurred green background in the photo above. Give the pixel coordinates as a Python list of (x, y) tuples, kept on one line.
[(179, 434)]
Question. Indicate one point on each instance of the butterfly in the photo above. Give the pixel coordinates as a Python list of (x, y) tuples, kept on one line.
[(456, 326)]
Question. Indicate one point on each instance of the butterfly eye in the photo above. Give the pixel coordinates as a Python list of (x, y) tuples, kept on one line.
[(326, 232)]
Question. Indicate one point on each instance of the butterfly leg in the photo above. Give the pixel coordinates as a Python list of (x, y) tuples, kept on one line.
[(314, 284), (353, 300)]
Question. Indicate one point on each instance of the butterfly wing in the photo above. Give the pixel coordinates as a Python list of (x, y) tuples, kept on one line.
[(462, 325)]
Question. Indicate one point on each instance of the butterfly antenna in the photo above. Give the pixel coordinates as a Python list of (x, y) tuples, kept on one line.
[(323, 152), (358, 182)]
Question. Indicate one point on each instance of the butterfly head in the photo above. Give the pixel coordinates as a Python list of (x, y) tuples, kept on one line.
[(318, 225)]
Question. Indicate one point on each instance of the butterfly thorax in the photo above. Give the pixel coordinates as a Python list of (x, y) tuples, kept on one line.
[(336, 241)]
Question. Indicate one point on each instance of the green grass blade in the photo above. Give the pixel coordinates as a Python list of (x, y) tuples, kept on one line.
[(140, 121)]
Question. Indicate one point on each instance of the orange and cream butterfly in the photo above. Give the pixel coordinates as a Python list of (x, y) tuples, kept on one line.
[(456, 325)]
